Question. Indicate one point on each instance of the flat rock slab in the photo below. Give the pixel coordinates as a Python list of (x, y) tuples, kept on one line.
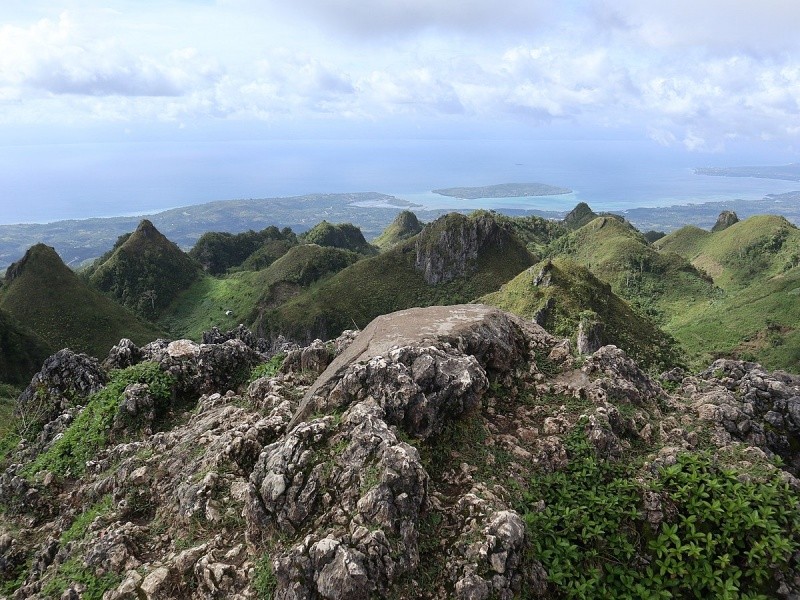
[(419, 327)]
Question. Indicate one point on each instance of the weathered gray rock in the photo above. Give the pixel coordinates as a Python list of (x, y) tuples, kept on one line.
[(726, 219), (500, 343), (64, 380), (752, 405), (123, 355), (449, 247)]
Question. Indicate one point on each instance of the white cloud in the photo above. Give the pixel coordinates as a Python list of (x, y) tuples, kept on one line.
[(686, 73)]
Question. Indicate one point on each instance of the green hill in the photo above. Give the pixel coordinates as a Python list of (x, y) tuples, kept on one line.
[(454, 259), (756, 315), (43, 294), (562, 295), (654, 283), (342, 235), (404, 226), (144, 272), (758, 247), (219, 251), (241, 297), (22, 352)]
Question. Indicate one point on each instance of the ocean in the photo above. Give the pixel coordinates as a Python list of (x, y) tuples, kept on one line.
[(44, 183)]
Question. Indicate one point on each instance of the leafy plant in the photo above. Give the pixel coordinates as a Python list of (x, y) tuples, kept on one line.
[(74, 571), (89, 432), (723, 538), (267, 369)]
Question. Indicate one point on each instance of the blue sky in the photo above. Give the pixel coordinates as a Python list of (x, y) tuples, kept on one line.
[(700, 75)]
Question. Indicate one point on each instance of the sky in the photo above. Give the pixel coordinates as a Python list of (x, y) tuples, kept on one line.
[(700, 75)]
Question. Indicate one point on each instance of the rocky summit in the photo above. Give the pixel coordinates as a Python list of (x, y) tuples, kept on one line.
[(444, 452)]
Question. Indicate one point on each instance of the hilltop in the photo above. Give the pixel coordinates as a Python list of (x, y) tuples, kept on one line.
[(144, 272), (47, 297), (453, 259), (447, 452), (755, 265), (568, 301), (405, 225)]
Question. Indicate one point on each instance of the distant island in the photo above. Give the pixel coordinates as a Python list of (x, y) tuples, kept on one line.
[(503, 190), (785, 172)]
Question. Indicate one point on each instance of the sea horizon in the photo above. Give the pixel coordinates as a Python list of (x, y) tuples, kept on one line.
[(47, 183)]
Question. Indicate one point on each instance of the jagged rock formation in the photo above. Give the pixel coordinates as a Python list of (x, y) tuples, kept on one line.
[(449, 247), (726, 219), (406, 469)]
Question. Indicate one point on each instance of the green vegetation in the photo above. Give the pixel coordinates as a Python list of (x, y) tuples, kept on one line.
[(343, 235), (46, 296), (80, 526), (74, 571), (755, 263), (9, 435), (722, 537), (91, 430), (391, 282), (145, 272), (22, 352), (567, 293), (206, 303), (535, 232), (268, 369), (265, 581), (218, 252), (404, 226)]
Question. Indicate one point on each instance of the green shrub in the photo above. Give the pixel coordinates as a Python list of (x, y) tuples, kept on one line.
[(267, 369), (721, 538), (89, 432)]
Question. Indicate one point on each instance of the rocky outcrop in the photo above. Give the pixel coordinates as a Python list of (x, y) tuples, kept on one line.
[(726, 219), (449, 247), (351, 481), (63, 381), (403, 471), (752, 405)]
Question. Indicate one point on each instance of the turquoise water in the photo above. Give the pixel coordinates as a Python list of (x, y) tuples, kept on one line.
[(41, 183)]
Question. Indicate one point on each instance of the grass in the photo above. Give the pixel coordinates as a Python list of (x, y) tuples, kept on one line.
[(573, 294), (755, 263), (66, 312), (74, 571), (387, 283), (90, 431), (205, 304)]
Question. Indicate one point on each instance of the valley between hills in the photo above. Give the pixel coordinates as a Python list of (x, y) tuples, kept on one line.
[(480, 406)]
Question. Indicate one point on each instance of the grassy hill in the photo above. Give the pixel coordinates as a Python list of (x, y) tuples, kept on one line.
[(341, 235), (660, 284), (241, 297), (755, 263), (22, 352), (43, 294), (396, 279), (144, 272), (219, 251), (560, 294), (404, 226)]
